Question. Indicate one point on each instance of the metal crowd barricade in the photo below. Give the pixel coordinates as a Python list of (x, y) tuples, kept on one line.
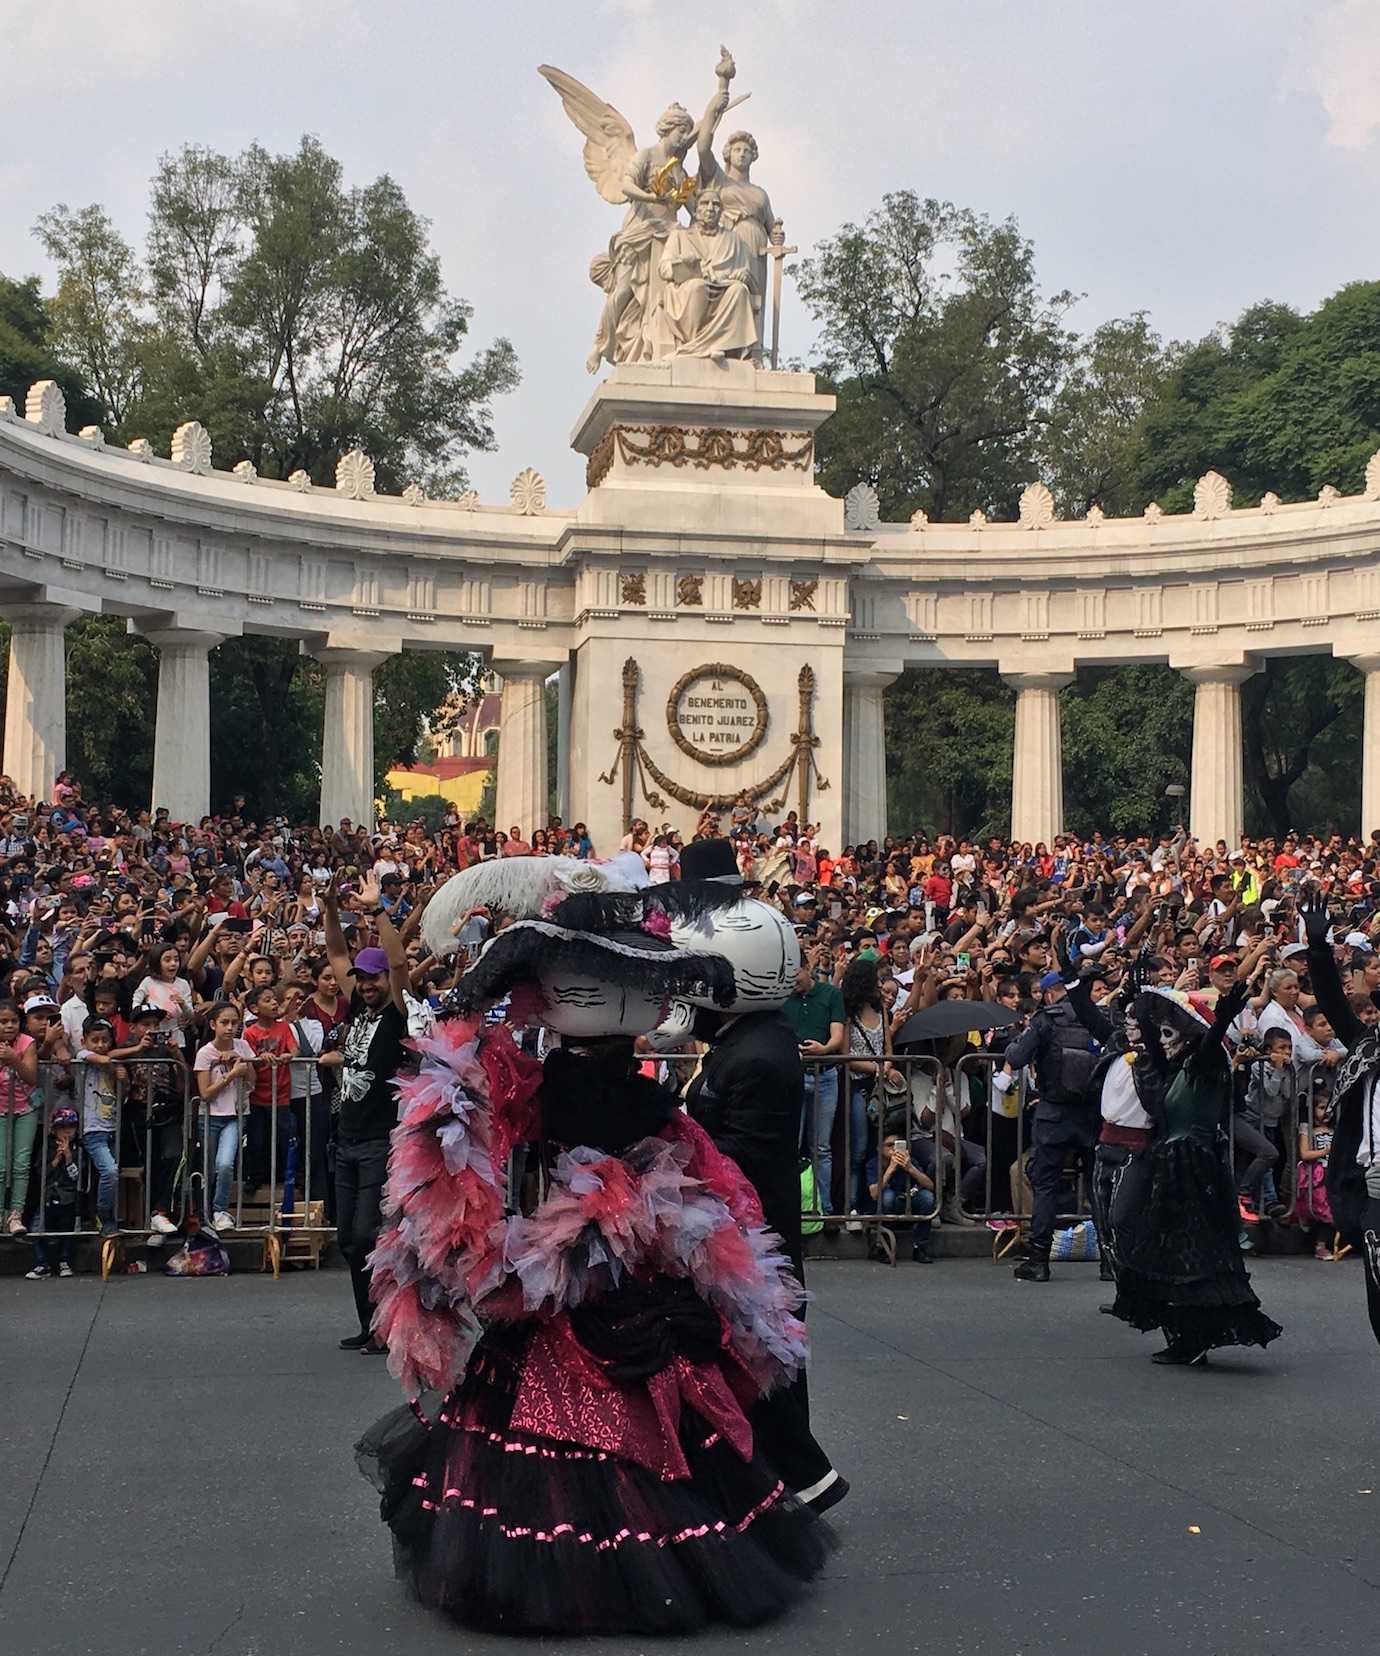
[(1296, 1119)]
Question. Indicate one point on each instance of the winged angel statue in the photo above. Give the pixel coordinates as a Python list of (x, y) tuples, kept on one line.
[(673, 289)]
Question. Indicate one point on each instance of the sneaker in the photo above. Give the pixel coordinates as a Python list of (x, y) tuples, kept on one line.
[(1247, 1210), (154, 1239), (221, 1221), (65, 1270), (163, 1225), (1322, 1251), (15, 1223), (854, 1225), (38, 1274), (109, 1228)]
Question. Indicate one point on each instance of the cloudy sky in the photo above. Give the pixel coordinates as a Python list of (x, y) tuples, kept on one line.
[(1181, 156)]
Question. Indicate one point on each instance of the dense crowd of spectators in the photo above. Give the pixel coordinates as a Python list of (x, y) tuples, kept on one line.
[(144, 961)]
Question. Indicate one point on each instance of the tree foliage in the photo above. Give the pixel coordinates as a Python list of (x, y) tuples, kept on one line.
[(943, 353)]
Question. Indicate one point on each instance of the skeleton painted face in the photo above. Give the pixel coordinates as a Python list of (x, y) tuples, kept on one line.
[(1172, 1039), (583, 1007), (758, 942)]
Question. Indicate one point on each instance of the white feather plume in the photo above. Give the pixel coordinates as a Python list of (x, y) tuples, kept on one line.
[(521, 886)]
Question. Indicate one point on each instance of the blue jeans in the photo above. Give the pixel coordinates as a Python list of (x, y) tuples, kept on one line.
[(820, 1102), (222, 1145), (894, 1198), (99, 1151)]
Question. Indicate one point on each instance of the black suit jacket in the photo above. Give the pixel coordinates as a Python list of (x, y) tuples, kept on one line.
[(747, 1097)]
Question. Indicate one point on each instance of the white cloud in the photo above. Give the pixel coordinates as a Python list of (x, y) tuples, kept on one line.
[(1339, 64)]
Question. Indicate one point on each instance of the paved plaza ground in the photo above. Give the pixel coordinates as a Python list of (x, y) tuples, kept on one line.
[(178, 1476)]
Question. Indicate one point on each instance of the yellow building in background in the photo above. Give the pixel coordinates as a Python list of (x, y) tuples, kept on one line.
[(466, 753)]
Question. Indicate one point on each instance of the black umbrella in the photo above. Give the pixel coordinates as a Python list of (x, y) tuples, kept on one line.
[(953, 1017)]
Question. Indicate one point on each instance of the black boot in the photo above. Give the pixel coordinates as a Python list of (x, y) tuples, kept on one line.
[(1033, 1269)]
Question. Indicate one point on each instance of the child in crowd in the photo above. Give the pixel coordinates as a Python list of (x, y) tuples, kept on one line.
[(1315, 1141), (1271, 1095), (19, 1119), (61, 1178), (224, 1071), (272, 1127), (100, 1079), (155, 1125)]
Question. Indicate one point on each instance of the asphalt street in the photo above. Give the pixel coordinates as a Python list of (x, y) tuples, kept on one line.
[(178, 1477)]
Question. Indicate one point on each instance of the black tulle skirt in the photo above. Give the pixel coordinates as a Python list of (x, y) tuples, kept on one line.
[(1179, 1264), (518, 1534)]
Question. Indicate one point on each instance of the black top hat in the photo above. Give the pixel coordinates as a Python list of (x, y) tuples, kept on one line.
[(710, 859)]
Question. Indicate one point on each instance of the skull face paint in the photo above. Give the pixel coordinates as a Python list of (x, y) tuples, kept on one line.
[(760, 944)]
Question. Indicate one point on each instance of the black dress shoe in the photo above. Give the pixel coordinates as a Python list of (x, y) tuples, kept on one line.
[(356, 1342), (1107, 1310), (1033, 1269), (373, 1348), (1180, 1356)]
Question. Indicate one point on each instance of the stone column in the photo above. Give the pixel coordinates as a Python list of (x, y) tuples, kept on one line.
[(520, 797), (1037, 767), (565, 685), (347, 749), (864, 756), (36, 700), (182, 733), (1216, 784), (1370, 744)]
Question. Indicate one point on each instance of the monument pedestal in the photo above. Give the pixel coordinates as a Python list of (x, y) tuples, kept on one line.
[(711, 601)]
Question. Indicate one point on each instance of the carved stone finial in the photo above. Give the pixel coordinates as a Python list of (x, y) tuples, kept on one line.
[(93, 435), (191, 448), (1269, 503), (977, 519), (1373, 476), (1095, 515), (1036, 506), (301, 481), (7, 408), (414, 494), (1329, 495), (861, 508), (919, 519), (469, 501), (1211, 495), (46, 408), (141, 448), (354, 475), (528, 492), (1154, 512), (246, 471)]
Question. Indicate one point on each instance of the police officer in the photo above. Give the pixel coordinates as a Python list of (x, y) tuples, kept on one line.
[(1066, 1114)]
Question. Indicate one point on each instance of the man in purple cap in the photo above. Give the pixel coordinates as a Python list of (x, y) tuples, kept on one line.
[(371, 1050)]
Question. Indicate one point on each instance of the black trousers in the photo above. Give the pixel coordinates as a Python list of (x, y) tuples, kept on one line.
[(1108, 1162), (1256, 1155), (361, 1169), (1370, 1256), (1054, 1144)]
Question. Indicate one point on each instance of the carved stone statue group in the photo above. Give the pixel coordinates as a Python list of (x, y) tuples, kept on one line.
[(671, 288)]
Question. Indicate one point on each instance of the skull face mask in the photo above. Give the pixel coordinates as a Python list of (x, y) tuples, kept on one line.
[(757, 941)]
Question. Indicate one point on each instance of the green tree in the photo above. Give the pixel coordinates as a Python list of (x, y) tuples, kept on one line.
[(27, 352), (943, 353), (1127, 734), (949, 734)]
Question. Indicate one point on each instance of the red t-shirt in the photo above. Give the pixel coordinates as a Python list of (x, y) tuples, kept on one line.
[(270, 1086)]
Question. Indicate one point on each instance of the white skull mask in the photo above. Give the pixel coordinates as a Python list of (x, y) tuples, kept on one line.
[(757, 941)]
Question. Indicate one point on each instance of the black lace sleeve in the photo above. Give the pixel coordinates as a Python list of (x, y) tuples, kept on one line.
[(1210, 1052), (1327, 986)]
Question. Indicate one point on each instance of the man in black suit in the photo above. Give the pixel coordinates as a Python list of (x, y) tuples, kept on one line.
[(747, 1097)]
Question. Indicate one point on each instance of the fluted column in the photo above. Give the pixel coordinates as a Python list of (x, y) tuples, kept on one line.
[(182, 733), (1370, 744), (1216, 784), (864, 756), (1037, 764), (36, 698), (565, 684), (520, 795), (347, 748)]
